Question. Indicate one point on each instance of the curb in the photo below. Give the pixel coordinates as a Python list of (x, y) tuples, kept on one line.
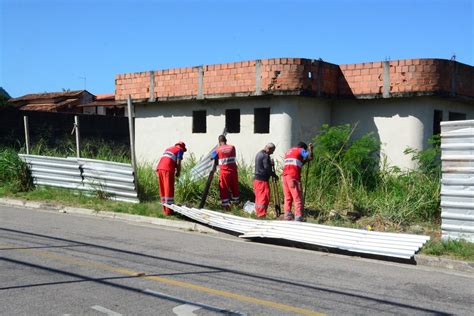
[(183, 225), (445, 263)]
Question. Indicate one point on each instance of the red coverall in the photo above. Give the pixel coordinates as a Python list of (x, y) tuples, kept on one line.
[(262, 197), (228, 177), (166, 170), (261, 187), (292, 181)]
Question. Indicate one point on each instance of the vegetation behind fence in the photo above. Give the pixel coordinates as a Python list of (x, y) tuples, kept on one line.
[(346, 176)]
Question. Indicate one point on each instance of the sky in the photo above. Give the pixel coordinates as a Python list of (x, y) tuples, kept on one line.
[(48, 46)]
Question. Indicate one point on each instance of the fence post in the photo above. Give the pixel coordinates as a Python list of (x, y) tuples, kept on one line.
[(76, 129), (27, 134), (131, 128)]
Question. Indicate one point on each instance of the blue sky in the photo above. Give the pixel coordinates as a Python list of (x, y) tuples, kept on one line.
[(50, 45)]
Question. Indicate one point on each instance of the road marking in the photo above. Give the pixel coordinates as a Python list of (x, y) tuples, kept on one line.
[(185, 310), (192, 286), (105, 310), (196, 306)]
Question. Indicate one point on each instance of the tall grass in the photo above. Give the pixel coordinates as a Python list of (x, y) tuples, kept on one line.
[(190, 192), (90, 148), (346, 176)]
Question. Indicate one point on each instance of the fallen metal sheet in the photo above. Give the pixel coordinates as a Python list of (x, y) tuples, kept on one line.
[(354, 240)]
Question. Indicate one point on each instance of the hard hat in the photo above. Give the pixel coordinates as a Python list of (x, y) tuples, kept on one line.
[(182, 145)]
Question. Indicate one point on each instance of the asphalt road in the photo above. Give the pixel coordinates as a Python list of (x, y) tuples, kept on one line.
[(61, 264)]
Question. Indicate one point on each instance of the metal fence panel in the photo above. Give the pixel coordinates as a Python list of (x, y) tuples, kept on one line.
[(115, 180), (457, 183), (354, 240), (203, 167)]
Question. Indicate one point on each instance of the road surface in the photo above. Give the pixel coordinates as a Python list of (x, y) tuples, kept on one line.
[(61, 264)]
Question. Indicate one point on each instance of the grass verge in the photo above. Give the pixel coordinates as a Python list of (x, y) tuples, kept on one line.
[(453, 249), (79, 199)]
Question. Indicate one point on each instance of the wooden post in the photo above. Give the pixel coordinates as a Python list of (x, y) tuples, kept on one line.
[(27, 134), (131, 128), (76, 129)]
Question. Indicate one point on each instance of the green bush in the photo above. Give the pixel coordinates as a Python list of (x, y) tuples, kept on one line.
[(429, 161), (340, 164), (14, 175), (345, 175)]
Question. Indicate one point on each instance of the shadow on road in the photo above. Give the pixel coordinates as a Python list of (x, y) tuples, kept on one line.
[(411, 308)]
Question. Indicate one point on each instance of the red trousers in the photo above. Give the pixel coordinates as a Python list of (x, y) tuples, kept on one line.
[(166, 183), (228, 182), (293, 195), (262, 197)]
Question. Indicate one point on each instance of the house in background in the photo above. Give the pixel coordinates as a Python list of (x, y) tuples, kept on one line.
[(285, 100), (66, 101), (80, 102), (104, 104)]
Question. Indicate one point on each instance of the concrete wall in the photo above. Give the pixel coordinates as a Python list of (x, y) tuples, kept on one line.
[(160, 125), (398, 123)]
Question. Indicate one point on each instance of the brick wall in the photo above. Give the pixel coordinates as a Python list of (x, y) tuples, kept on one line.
[(300, 76), (359, 79)]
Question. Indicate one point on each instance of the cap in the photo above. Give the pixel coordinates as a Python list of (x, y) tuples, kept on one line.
[(182, 145)]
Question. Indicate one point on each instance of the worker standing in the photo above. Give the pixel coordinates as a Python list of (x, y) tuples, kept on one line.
[(291, 177), (263, 172), (168, 167), (228, 177)]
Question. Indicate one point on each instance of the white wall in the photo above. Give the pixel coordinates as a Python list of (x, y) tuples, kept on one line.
[(160, 125), (398, 123), (311, 114)]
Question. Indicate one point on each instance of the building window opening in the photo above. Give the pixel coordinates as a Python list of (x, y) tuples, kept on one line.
[(232, 120), (454, 116), (199, 121), (437, 118), (261, 121)]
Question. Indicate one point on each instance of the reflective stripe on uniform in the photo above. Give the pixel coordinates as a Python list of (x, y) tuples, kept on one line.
[(293, 162), (169, 154), (167, 199), (261, 206), (226, 161)]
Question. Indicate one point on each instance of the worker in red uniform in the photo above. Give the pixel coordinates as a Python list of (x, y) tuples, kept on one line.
[(228, 177), (263, 172), (291, 177), (168, 167)]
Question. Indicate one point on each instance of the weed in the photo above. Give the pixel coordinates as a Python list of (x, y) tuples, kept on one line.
[(460, 249)]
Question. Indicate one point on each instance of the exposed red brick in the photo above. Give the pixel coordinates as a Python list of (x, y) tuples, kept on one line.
[(287, 74)]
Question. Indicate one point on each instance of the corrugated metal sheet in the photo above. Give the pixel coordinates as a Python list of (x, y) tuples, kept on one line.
[(116, 180), (202, 168), (355, 240), (457, 183)]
